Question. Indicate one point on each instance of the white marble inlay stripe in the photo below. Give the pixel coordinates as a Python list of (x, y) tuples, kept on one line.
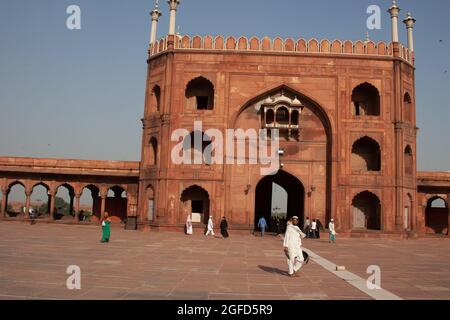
[(352, 279)]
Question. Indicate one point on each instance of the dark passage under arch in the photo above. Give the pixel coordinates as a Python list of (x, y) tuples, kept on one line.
[(295, 196)]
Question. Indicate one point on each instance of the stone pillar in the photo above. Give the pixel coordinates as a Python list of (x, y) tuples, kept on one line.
[(52, 205), (27, 205), (448, 207), (173, 4), (49, 201), (394, 12), (399, 173), (398, 103), (3, 208), (424, 218), (290, 124), (409, 22), (71, 205), (155, 14), (103, 205), (77, 207)]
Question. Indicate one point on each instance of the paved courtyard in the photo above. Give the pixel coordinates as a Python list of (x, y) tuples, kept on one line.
[(136, 265)]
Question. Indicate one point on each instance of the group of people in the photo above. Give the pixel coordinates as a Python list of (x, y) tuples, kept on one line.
[(189, 229), (312, 229), (292, 243)]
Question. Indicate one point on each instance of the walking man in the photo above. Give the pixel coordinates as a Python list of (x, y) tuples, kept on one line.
[(210, 227), (262, 225), (292, 247)]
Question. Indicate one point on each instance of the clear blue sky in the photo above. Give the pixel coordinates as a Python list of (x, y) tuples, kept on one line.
[(80, 94)]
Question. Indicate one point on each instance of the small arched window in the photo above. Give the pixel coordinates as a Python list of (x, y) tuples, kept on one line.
[(155, 102), (407, 107), (366, 155), (153, 151), (282, 116), (200, 151), (270, 116), (366, 100), (294, 118), (409, 161), (200, 94)]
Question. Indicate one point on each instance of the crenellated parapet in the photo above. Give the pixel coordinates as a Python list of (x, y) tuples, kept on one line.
[(279, 45)]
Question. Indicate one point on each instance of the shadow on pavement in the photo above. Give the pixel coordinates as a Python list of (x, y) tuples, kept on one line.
[(274, 270)]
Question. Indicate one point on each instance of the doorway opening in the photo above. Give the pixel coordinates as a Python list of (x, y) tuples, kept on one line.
[(279, 198)]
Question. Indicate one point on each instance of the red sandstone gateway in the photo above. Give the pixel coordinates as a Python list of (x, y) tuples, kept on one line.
[(346, 116)]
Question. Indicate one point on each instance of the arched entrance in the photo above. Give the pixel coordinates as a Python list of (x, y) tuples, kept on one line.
[(15, 200), (366, 212), (40, 199), (90, 204), (309, 129), (63, 204), (196, 199), (436, 216), (116, 204), (268, 200)]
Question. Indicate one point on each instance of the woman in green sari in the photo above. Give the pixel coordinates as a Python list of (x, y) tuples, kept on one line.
[(106, 228)]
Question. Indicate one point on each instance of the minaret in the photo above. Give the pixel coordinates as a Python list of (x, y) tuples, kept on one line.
[(367, 38), (394, 11), (155, 14), (409, 22), (173, 5)]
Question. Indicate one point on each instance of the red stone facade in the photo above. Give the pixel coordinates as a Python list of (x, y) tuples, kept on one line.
[(349, 145), (347, 161)]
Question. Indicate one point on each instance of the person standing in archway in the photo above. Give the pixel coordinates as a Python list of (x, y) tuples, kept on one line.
[(189, 228), (292, 247), (262, 225), (106, 228), (210, 227)]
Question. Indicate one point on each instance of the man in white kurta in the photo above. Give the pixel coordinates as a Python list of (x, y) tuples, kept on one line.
[(292, 247), (189, 229), (210, 227)]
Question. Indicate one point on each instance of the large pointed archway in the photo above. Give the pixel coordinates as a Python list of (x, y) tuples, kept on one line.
[(308, 128), (264, 197), (436, 216)]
